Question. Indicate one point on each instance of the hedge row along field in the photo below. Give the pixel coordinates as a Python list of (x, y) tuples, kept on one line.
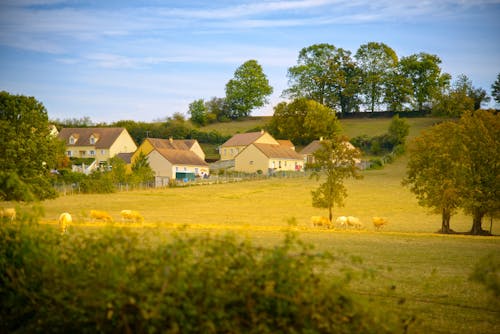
[(138, 280)]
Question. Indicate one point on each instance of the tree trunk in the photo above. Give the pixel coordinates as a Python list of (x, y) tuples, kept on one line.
[(476, 223), (330, 213), (445, 221)]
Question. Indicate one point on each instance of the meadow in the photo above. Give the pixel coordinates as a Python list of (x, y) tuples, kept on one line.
[(413, 270)]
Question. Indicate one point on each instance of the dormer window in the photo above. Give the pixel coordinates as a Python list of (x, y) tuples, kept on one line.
[(93, 139), (72, 140)]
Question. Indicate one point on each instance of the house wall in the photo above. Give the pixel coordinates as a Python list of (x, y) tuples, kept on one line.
[(251, 160), (278, 164), (266, 138), (123, 144), (146, 147), (230, 152), (196, 148), (162, 168)]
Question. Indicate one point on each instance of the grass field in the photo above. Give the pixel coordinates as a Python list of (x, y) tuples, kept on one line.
[(415, 270)]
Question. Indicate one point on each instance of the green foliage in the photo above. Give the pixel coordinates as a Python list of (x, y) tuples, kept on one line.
[(336, 161), (495, 89), (98, 183), (141, 171), (198, 112), (121, 280), (28, 152), (377, 62), (487, 272), (398, 130), (457, 165), (248, 89), (303, 121)]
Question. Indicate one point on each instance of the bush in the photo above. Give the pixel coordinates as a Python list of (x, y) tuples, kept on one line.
[(120, 280)]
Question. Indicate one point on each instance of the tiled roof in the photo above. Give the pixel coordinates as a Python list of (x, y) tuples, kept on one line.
[(311, 148), (243, 139), (181, 157), (278, 151), (172, 144), (105, 137), (285, 143), (127, 157)]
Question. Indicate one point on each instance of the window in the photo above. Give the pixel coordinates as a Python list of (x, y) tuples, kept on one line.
[(279, 164), (69, 153), (196, 170), (92, 153), (71, 140), (251, 162), (103, 152), (176, 169), (92, 140)]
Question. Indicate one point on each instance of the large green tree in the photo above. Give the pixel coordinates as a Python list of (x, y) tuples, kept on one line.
[(248, 89), (334, 161), (495, 89), (425, 75), (434, 171), (377, 62), (458, 165), (480, 156), (303, 121), (28, 151), (327, 75)]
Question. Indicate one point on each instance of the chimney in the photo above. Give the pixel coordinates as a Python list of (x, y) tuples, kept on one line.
[(262, 131), (171, 140), (320, 138)]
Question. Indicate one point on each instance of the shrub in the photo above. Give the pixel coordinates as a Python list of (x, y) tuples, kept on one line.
[(120, 280)]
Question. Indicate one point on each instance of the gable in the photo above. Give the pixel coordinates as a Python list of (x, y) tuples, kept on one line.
[(101, 138), (245, 139)]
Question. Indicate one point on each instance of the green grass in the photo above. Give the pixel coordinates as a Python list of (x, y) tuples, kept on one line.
[(416, 271)]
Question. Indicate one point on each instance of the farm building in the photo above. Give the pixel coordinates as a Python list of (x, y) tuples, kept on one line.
[(180, 159), (99, 144), (308, 151), (172, 164), (268, 158), (237, 143)]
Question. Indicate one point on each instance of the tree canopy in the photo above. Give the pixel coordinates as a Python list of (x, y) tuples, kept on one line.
[(495, 89), (303, 121), (248, 89), (458, 165), (336, 161), (28, 152)]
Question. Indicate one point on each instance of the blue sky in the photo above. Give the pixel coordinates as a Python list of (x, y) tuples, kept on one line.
[(145, 60)]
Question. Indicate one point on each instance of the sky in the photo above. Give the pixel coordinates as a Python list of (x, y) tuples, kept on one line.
[(146, 60)]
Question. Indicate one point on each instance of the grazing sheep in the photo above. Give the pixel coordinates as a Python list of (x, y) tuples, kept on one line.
[(321, 221), (131, 215), (354, 222), (341, 221), (8, 213), (64, 221), (379, 222), (101, 215)]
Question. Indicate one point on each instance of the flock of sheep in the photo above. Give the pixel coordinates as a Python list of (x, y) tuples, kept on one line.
[(65, 218), (347, 222)]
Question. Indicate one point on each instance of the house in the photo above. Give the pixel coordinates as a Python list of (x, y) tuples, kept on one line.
[(175, 164), (308, 151), (237, 143), (268, 158), (173, 159), (99, 144), (149, 144)]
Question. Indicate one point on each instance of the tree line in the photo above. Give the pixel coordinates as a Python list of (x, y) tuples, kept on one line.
[(373, 79)]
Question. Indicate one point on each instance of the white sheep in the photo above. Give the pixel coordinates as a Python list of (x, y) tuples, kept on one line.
[(64, 221), (131, 215), (354, 222), (101, 215), (379, 222), (341, 221), (321, 221), (8, 213)]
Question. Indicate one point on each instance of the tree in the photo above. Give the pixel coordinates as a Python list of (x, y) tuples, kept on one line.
[(495, 89), (141, 171), (434, 171), (248, 89), (425, 75), (377, 62), (327, 75), (398, 90), (217, 109), (198, 112), (477, 95), (303, 121), (336, 161), (398, 130), (480, 157), (454, 101), (28, 151), (458, 165)]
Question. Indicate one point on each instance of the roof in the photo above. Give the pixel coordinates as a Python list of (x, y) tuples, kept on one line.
[(105, 136), (316, 144), (172, 144), (127, 157), (181, 157), (243, 139), (278, 151), (311, 148), (285, 142)]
